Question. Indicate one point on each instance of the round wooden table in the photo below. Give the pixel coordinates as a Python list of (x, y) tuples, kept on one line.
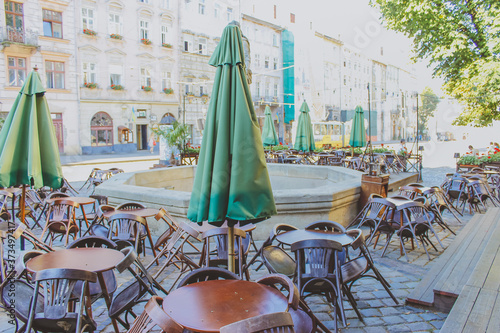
[(207, 306), (293, 236), (96, 260)]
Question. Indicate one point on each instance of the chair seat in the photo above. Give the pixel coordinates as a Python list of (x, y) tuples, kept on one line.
[(353, 269), (66, 324), (99, 230), (126, 298), (302, 323)]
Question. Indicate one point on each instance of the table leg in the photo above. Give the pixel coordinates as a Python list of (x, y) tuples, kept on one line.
[(107, 298), (151, 242)]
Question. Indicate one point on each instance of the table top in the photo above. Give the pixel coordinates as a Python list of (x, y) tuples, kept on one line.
[(89, 259), (207, 306), (79, 200), (143, 212), (398, 201), (293, 236), (12, 190)]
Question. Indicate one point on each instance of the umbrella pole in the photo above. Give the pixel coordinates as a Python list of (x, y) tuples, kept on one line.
[(22, 206), (230, 249)]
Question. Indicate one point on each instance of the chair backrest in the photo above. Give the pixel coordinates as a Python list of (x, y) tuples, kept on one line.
[(414, 212), (130, 206), (379, 208), (267, 323), (154, 316), (316, 258), (207, 273), (326, 225), (58, 287), (125, 227), (281, 282), (61, 209), (58, 195), (92, 241), (409, 191), (23, 291)]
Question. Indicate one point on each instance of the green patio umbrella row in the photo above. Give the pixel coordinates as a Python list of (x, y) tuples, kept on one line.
[(304, 140)]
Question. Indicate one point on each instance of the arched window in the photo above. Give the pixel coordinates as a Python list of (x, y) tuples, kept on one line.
[(101, 129)]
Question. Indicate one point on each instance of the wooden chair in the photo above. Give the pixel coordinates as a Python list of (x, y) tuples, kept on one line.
[(326, 225), (128, 230), (268, 323), (478, 194), (130, 206), (58, 287), (108, 276), (318, 272), (152, 317), (61, 219), (125, 299), (207, 273), (277, 260), (98, 226), (360, 267), (304, 319), (219, 257)]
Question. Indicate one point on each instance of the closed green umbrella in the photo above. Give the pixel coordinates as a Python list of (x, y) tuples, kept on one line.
[(231, 182), (29, 154), (304, 140), (358, 132), (269, 136)]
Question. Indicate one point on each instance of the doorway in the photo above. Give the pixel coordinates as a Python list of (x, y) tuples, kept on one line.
[(58, 126), (142, 137)]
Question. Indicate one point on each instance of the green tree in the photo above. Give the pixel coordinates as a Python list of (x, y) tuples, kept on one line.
[(461, 40), (175, 136), (429, 104)]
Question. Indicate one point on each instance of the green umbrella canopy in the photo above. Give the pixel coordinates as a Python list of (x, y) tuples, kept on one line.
[(304, 140), (269, 136), (29, 154), (358, 133), (231, 182)]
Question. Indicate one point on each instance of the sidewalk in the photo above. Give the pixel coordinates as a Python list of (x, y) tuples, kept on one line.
[(141, 155)]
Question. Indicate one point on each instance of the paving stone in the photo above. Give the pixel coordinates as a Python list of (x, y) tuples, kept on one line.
[(373, 321), (398, 328), (437, 323), (370, 312), (375, 303), (421, 326), (428, 316), (354, 323), (378, 329), (393, 320), (412, 317)]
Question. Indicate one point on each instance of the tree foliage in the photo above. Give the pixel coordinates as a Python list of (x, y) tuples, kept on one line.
[(461, 40), (429, 104)]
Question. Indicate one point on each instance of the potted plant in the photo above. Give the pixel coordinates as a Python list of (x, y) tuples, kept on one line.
[(176, 136), (89, 32), (116, 36), (167, 45), (469, 160), (90, 85), (147, 88), (168, 91), (116, 87), (145, 41)]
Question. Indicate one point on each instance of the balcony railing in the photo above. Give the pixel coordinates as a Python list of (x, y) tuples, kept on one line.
[(17, 35)]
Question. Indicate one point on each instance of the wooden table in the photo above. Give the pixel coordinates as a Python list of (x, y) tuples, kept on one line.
[(98, 260), (207, 306), (293, 236)]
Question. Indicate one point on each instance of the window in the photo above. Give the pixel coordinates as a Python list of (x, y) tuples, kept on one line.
[(17, 71), (87, 18), (275, 90), (229, 14), (89, 71), (275, 40), (144, 1), (115, 24), (257, 89), (217, 10), (115, 74), (52, 23), (257, 60), (275, 63), (165, 4), (201, 7), (14, 21), (266, 62), (101, 130), (55, 74), (188, 43), (292, 18), (267, 89), (202, 46), (201, 90), (164, 31), (144, 29), (145, 77), (166, 82)]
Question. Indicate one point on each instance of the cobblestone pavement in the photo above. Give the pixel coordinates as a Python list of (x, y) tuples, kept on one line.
[(380, 313)]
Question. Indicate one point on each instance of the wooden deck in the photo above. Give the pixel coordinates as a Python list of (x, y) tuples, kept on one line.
[(466, 278)]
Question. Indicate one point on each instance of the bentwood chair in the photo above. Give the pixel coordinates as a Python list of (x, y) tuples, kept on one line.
[(318, 272), (130, 206), (61, 220), (360, 267), (267, 323), (128, 229), (58, 288), (206, 274), (153, 317)]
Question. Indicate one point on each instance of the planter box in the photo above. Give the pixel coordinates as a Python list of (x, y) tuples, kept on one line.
[(468, 166)]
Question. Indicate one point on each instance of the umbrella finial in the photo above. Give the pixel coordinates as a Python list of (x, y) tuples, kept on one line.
[(35, 68)]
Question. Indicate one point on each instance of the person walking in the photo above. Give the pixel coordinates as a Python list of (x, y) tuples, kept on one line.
[(151, 143)]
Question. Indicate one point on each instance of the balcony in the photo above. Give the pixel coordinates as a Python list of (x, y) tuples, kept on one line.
[(28, 37)]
